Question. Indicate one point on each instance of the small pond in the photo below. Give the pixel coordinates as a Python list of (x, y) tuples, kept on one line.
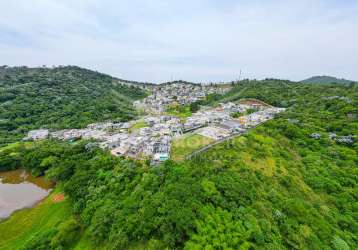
[(19, 189)]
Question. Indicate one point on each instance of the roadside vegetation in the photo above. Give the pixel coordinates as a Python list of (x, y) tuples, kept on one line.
[(273, 188)]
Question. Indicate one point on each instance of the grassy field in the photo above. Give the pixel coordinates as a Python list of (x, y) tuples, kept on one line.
[(139, 124), (181, 113), (25, 223), (186, 144)]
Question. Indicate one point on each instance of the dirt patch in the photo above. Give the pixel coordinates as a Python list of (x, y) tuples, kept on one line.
[(58, 197)]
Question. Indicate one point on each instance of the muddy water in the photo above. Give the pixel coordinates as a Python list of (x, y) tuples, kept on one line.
[(19, 189)]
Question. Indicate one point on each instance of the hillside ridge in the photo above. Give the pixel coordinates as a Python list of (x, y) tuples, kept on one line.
[(60, 97), (326, 79)]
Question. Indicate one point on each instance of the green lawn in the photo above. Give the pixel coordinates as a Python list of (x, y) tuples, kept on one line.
[(25, 223), (139, 124), (186, 144), (181, 113)]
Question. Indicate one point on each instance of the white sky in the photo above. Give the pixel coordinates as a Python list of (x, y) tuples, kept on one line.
[(202, 40)]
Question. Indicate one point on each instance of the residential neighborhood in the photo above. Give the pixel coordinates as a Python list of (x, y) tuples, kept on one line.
[(183, 125), (182, 94), (150, 137)]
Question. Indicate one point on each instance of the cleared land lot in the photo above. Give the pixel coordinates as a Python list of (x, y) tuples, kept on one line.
[(183, 146)]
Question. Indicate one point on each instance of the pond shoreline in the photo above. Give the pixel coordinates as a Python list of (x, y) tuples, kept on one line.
[(23, 225), (19, 189), (36, 203)]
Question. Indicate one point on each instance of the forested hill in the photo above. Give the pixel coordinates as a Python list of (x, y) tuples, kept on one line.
[(276, 187), (326, 79), (61, 97)]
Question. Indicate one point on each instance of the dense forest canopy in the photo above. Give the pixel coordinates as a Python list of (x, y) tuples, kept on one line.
[(275, 188), (61, 97)]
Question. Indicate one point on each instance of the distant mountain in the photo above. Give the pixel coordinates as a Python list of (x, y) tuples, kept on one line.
[(326, 79)]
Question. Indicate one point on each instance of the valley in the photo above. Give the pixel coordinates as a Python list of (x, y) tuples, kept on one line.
[(270, 164), (178, 125)]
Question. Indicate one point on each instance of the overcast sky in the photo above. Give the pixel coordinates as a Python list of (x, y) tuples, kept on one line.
[(201, 40)]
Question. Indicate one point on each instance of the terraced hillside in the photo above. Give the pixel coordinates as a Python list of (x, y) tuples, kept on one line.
[(62, 97)]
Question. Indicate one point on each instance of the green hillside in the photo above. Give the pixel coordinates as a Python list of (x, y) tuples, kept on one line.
[(62, 97), (326, 80), (274, 188), (25, 225)]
